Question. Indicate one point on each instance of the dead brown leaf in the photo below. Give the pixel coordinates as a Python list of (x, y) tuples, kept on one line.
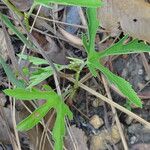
[(54, 52), (22, 5), (71, 38), (3, 46), (133, 16)]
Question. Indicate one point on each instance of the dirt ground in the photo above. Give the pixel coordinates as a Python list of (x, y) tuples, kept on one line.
[(95, 125)]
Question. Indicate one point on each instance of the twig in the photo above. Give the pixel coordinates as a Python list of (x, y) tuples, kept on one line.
[(107, 100), (15, 124), (10, 48), (5, 124), (60, 22), (86, 77), (116, 116), (42, 122), (24, 47), (11, 52), (145, 64)]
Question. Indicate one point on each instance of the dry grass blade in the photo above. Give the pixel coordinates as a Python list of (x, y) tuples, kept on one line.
[(73, 39), (10, 48), (116, 116), (145, 64), (13, 109), (6, 126)]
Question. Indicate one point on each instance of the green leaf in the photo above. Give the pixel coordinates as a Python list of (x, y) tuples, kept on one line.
[(32, 59), (23, 94), (92, 69), (59, 128), (43, 73), (33, 119), (52, 101), (84, 3), (47, 87), (134, 46), (11, 75), (93, 57), (93, 24), (124, 86), (39, 76), (15, 30), (92, 27)]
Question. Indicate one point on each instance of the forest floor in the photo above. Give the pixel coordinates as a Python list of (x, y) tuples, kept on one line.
[(96, 125)]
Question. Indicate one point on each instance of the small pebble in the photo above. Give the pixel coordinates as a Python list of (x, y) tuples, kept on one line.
[(124, 72), (140, 85), (147, 78), (140, 72), (1, 148), (97, 102), (96, 121), (133, 140), (98, 142), (129, 120)]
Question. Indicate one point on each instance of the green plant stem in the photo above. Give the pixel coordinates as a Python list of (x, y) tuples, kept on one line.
[(27, 15), (77, 76)]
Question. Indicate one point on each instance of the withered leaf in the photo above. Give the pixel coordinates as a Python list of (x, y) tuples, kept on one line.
[(133, 16)]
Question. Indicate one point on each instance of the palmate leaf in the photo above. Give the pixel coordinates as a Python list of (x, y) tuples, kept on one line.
[(84, 3), (93, 58), (41, 73), (134, 46), (52, 101)]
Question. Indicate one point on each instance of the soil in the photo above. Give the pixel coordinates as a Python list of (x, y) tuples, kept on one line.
[(98, 132)]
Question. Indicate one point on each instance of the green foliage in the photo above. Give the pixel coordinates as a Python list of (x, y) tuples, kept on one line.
[(122, 85), (13, 8), (87, 3), (11, 75), (52, 101), (40, 73), (94, 57), (33, 60), (33, 119), (76, 64), (134, 46), (15, 30), (93, 25)]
